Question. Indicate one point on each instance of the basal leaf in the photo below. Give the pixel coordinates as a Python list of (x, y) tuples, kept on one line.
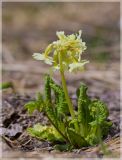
[(76, 139), (48, 89), (61, 104), (63, 147), (98, 125), (31, 106), (98, 112), (83, 110), (45, 133), (38, 104)]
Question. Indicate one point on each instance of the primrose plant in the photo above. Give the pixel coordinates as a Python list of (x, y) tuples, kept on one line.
[(69, 127)]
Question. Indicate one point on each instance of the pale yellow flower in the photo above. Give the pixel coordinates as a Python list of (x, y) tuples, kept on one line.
[(73, 67), (42, 57), (70, 47)]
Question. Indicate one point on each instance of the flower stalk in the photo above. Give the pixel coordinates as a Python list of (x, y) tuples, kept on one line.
[(68, 100)]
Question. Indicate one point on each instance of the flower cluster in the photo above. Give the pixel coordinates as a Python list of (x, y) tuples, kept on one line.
[(70, 47)]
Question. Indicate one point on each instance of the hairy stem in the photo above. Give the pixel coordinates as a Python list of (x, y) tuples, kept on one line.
[(68, 100)]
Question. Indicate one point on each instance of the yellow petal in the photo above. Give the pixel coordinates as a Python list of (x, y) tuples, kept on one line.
[(38, 56)]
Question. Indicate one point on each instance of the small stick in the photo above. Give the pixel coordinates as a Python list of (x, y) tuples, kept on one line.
[(9, 142)]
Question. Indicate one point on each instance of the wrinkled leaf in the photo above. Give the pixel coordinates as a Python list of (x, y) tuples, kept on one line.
[(45, 133), (38, 104), (75, 139)]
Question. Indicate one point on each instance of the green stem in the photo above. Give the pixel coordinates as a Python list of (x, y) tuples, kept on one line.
[(66, 95), (68, 100)]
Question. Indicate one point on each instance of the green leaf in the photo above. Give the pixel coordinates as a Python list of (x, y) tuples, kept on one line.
[(98, 112), (98, 125), (38, 104), (6, 85), (56, 110), (45, 133), (48, 89), (31, 106), (83, 109), (50, 112), (61, 104), (63, 147), (105, 127), (75, 139), (93, 137)]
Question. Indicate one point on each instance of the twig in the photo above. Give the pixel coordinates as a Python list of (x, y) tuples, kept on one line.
[(10, 143)]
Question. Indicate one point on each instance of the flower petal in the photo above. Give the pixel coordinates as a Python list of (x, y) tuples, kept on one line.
[(79, 36), (38, 56), (61, 35), (73, 67), (70, 47), (48, 61)]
